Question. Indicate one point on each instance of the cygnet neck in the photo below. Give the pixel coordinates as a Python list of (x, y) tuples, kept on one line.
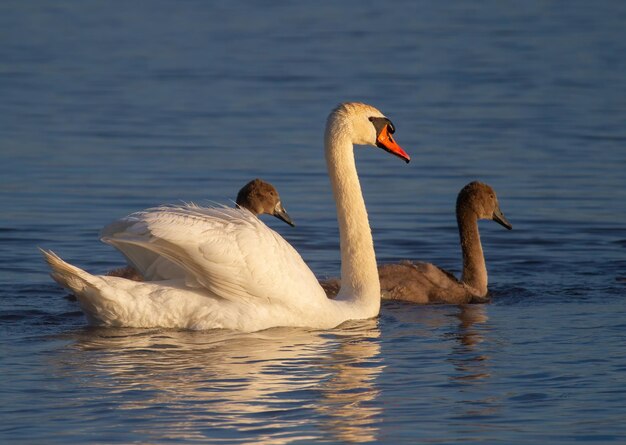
[(474, 268), (359, 274)]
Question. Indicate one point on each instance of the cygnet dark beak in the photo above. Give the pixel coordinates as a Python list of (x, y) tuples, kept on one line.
[(281, 213), (498, 217)]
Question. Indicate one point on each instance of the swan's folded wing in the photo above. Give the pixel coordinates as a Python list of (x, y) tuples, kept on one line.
[(227, 251), (129, 236)]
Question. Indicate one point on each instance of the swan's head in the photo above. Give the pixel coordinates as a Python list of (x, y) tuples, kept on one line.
[(261, 197), (480, 200), (364, 125)]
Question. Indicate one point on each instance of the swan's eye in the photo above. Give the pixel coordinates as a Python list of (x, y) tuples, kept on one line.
[(380, 123)]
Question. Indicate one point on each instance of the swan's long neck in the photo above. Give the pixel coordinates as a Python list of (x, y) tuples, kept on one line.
[(474, 268), (359, 274)]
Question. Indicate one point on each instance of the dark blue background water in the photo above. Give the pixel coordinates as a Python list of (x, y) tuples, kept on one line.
[(107, 108)]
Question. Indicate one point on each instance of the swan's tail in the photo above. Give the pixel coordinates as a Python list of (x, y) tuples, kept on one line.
[(70, 277), (93, 293)]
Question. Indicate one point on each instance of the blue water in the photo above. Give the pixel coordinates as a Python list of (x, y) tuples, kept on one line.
[(107, 108)]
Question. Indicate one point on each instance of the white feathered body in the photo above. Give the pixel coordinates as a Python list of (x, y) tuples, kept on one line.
[(213, 283)]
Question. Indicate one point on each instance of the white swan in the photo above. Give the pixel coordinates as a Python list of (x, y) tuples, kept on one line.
[(239, 274)]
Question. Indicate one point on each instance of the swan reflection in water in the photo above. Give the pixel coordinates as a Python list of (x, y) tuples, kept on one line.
[(470, 361), (271, 387), (454, 351), (463, 327)]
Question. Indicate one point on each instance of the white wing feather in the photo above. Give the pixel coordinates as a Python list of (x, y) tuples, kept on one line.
[(227, 251)]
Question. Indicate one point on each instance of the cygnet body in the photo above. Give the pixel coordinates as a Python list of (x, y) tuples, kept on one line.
[(425, 283)]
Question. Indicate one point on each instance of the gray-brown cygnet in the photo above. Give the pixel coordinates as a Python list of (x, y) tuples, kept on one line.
[(425, 283), (258, 196)]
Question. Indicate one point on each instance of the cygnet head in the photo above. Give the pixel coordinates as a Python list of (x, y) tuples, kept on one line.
[(261, 197), (480, 200), (364, 125)]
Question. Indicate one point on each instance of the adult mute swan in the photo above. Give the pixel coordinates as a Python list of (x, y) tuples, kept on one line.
[(258, 196), (426, 283), (238, 273)]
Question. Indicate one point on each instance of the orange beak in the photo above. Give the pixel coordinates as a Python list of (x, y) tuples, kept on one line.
[(386, 142)]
